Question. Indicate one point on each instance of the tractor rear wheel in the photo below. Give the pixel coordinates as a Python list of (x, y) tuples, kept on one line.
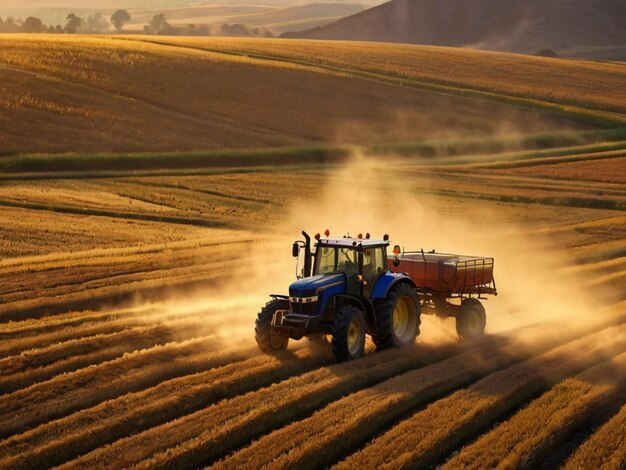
[(471, 319), (269, 342), (348, 339), (397, 318)]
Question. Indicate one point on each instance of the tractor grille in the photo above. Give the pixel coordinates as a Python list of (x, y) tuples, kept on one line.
[(304, 308)]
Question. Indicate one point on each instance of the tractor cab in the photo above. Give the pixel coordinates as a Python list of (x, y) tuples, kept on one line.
[(360, 260)]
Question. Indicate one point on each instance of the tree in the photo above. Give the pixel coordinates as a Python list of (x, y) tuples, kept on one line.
[(10, 26), (73, 23), (119, 19), (33, 25), (97, 24), (234, 30), (159, 25)]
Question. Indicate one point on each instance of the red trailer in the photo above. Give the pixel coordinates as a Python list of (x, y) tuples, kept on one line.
[(450, 285)]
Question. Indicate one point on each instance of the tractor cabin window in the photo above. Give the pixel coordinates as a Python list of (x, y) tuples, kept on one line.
[(332, 259), (373, 262)]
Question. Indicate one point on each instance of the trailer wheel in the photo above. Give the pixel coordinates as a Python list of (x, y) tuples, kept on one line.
[(398, 318), (262, 328), (348, 338), (471, 319)]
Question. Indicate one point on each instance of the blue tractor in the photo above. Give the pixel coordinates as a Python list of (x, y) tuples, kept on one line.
[(344, 292)]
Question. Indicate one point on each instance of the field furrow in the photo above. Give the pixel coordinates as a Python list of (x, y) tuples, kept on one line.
[(23, 330), (227, 425), (605, 449), (46, 333), (427, 437), (527, 438), (64, 439), (40, 364), (67, 393)]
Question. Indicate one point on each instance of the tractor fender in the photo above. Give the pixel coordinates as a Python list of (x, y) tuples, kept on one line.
[(387, 281), (360, 303)]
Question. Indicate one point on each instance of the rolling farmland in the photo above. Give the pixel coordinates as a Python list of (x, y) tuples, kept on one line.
[(130, 282)]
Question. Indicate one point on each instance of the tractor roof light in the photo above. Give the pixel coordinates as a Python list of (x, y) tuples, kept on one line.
[(317, 236), (360, 236), (386, 237), (367, 236), (327, 233)]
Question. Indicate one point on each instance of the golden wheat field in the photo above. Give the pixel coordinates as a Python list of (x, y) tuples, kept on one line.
[(130, 282)]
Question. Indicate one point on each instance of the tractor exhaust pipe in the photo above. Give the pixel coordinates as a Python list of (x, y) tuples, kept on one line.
[(307, 254)]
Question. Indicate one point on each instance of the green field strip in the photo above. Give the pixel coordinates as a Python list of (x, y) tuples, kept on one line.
[(515, 181), (65, 166), (224, 160), (521, 163)]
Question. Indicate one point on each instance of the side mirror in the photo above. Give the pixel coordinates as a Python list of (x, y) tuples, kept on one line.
[(396, 261), (295, 250)]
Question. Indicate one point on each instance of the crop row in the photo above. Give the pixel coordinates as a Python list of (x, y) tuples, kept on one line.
[(152, 285), (526, 439), (65, 439), (229, 424), (344, 425), (605, 449), (67, 393), (427, 437), (235, 422), (40, 334), (41, 364)]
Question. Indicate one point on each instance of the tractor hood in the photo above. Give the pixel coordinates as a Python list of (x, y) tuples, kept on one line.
[(311, 286)]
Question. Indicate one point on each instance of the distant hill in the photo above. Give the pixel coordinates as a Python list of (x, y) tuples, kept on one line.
[(276, 19), (525, 26)]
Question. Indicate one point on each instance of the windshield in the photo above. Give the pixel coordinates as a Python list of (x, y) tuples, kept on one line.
[(331, 259)]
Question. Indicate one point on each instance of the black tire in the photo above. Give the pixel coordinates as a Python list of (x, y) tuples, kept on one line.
[(262, 327), (348, 340), (398, 318), (471, 320)]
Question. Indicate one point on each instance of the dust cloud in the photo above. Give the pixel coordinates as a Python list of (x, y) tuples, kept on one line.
[(378, 196)]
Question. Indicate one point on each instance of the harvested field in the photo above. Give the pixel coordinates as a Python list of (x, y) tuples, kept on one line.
[(83, 84), (129, 283)]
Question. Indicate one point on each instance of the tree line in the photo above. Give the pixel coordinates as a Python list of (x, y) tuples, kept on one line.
[(93, 24), (98, 23)]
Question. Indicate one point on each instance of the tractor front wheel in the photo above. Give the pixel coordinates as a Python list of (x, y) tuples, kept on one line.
[(471, 319), (348, 339), (269, 342), (398, 318)]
